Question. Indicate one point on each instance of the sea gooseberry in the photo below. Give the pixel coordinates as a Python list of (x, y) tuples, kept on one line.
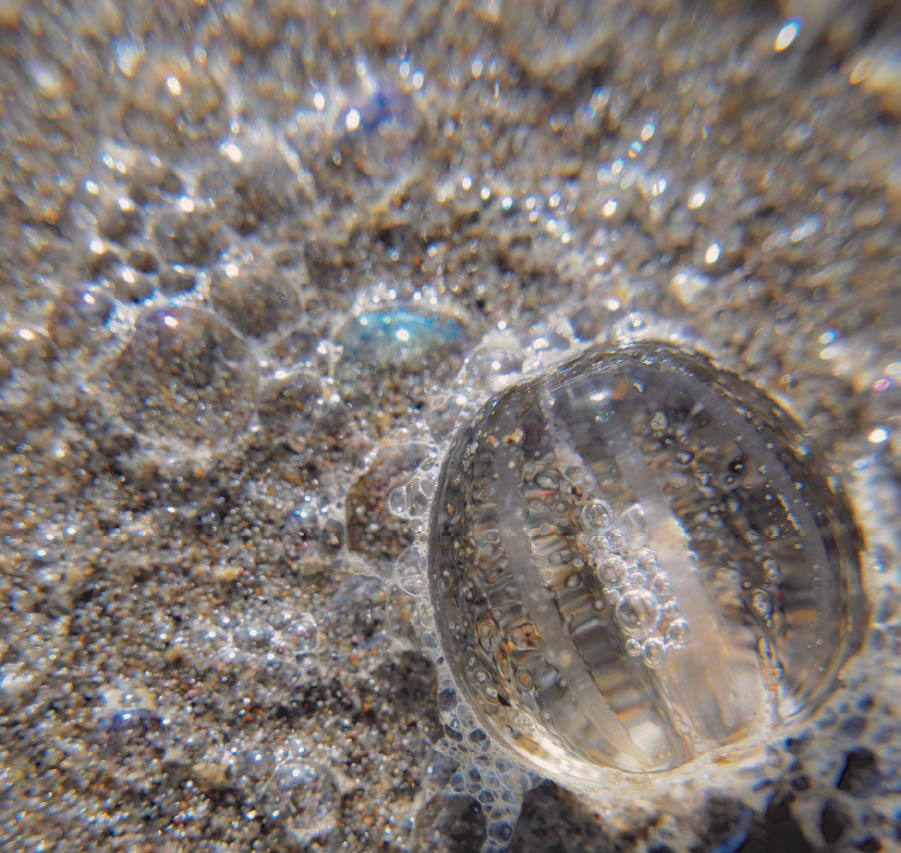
[(627, 511)]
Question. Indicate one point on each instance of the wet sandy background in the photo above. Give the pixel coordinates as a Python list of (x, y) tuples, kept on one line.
[(200, 205)]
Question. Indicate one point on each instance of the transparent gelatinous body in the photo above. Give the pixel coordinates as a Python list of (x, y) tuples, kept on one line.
[(635, 560)]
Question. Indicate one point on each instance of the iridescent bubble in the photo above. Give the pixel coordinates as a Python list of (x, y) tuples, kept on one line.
[(383, 347), (397, 337), (652, 673)]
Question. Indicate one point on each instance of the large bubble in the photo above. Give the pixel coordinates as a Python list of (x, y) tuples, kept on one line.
[(185, 382), (635, 561)]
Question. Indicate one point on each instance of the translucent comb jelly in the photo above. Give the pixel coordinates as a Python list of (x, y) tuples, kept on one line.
[(635, 561)]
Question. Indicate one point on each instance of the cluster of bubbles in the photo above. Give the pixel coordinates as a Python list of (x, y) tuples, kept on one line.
[(282, 643), (634, 584)]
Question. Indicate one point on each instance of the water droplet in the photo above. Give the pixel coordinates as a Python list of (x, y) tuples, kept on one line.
[(698, 688)]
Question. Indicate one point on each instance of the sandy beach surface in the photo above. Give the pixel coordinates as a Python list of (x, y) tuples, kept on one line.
[(255, 261)]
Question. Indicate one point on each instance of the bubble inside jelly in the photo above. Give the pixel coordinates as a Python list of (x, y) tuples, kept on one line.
[(636, 552)]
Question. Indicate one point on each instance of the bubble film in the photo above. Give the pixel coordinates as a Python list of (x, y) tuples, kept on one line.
[(635, 560)]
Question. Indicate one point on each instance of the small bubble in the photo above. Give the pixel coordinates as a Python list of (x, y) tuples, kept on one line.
[(633, 647), (253, 638), (635, 580), (597, 546), (409, 571), (677, 633), (397, 501), (637, 612), (257, 763), (670, 609), (661, 587), (613, 570), (617, 542), (305, 633), (598, 515), (294, 774), (501, 830), (635, 526), (653, 652), (647, 562)]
